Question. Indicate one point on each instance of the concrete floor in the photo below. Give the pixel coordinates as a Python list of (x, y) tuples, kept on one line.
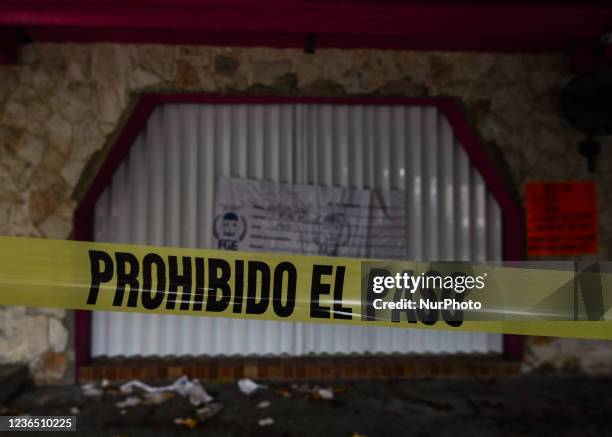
[(538, 405)]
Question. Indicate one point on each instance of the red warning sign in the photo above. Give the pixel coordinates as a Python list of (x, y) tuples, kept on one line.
[(561, 218)]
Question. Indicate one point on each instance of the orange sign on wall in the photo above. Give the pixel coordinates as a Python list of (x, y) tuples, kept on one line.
[(561, 218)]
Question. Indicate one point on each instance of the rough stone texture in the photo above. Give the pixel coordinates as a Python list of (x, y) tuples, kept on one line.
[(62, 104)]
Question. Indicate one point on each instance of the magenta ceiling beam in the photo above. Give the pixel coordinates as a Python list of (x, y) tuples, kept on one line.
[(540, 26)]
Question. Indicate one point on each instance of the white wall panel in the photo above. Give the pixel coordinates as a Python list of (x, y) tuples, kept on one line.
[(163, 194)]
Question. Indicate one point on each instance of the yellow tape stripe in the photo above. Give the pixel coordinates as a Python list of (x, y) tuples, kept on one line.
[(68, 274)]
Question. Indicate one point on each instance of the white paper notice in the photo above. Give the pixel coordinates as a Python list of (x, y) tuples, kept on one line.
[(254, 215)]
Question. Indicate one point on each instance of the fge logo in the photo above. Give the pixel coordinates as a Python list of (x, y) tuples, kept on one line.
[(229, 229)]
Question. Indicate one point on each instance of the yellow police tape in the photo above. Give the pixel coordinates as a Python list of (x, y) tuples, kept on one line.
[(295, 288)]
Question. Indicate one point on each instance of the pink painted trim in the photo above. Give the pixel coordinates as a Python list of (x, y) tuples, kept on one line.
[(512, 214), (83, 216), (138, 120), (439, 25)]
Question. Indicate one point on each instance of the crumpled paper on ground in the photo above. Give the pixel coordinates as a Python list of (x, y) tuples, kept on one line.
[(192, 390), (248, 386), (266, 422), (91, 390), (130, 401), (326, 393)]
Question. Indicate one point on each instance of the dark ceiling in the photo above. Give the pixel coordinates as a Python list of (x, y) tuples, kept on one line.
[(520, 26)]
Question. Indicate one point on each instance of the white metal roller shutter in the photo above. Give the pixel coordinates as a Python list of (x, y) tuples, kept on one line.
[(163, 194)]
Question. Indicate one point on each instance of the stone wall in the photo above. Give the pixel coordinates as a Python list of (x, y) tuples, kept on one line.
[(62, 105)]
